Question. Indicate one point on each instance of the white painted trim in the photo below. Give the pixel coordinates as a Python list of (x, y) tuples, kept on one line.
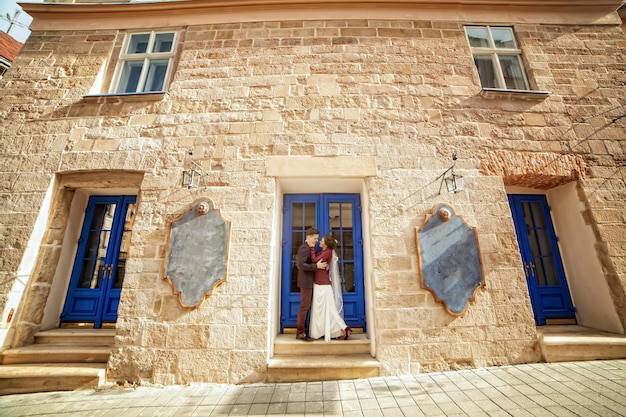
[(314, 186), (585, 278), (60, 282), (25, 270)]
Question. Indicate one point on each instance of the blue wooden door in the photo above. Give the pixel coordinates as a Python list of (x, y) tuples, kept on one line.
[(541, 259), (340, 215), (98, 273)]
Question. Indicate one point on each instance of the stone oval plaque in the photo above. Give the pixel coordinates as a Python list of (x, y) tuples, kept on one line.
[(449, 259), (197, 253)]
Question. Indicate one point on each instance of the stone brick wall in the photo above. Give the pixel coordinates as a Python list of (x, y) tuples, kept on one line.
[(404, 92)]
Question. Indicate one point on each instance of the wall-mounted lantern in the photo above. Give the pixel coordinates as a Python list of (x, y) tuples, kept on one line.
[(192, 176), (454, 182)]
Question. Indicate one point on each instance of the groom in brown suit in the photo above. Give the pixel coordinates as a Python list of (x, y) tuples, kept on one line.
[(306, 273)]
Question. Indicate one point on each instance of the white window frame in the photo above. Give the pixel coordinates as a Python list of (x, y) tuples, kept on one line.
[(495, 53), (146, 58)]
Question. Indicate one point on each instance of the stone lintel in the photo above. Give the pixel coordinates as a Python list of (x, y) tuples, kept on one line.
[(541, 170), (100, 179), (321, 166)]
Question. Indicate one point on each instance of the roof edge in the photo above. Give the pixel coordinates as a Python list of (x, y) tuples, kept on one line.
[(53, 16)]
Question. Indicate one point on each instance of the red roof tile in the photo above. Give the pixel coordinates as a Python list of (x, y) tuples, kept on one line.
[(9, 47)]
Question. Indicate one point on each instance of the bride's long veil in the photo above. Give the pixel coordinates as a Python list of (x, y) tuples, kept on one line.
[(335, 281)]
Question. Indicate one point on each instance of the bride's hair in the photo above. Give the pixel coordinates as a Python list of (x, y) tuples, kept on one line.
[(330, 241)]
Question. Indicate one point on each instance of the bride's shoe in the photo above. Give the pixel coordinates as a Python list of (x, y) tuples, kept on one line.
[(346, 332)]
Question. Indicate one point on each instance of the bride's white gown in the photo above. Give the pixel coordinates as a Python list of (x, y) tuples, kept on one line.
[(327, 307)]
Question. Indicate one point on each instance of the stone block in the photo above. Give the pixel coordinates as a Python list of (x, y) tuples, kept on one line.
[(203, 365), (248, 366), (155, 335), (188, 336)]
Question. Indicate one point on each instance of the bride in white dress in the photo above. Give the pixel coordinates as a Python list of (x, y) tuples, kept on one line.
[(327, 305)]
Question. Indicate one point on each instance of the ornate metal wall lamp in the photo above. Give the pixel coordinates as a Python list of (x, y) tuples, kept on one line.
[(195, 174), (454, 182)]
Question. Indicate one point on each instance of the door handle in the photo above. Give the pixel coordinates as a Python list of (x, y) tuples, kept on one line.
[(532, 268), (102, 275), (526, 268)]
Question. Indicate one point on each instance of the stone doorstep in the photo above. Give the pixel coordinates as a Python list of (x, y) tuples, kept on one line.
[(298, 361), (59, 360), (301, 368), (576, 343), (56, 354), (287, 344), (84, 337), (28, 378)]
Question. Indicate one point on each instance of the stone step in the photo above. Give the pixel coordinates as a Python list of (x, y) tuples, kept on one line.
[(81, 337), (566, 343), (287, 344), (28, 378), (308, 368), (299, 361), (38, 354)]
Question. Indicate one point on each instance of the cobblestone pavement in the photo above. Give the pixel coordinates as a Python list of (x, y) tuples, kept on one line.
[(595, 388)]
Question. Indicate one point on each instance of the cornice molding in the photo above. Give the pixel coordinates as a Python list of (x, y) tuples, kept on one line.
[(130, 15)]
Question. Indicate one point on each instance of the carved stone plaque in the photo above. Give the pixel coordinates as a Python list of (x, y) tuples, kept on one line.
[(449, 259), (197, 253)]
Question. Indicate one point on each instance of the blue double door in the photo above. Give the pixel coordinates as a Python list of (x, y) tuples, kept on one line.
[(541, 259), (336, 214), (96, 282)]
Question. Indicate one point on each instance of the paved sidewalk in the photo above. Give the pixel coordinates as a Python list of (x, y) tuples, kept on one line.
[(596, 388)]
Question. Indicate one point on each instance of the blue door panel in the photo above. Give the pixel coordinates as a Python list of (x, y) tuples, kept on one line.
[(553, 302), (84, 306), (339, 214), (541, 259), (350, 309), (110, 309)]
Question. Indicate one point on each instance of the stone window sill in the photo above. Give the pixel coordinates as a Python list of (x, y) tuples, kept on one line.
[(124, 97), (498, 93)]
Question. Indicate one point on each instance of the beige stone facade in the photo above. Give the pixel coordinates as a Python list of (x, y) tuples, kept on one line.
[(372, 101)]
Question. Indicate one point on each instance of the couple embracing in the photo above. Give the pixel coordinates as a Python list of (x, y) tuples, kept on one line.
[(320, 290)]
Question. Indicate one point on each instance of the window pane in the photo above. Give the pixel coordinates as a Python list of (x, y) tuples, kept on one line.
[(537, 214), (503, 38), (478, 37), (303, 217), (348, 277), (138, 43), (549, 271), (310, 216), (91, 274), (131, 71), (484, 64), (544, 242), (512, 72), (156, 75), (120, 273), (294, 278), (539, 271), (163, 42)]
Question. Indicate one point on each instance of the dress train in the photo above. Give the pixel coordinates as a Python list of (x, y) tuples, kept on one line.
[(327, 306)]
